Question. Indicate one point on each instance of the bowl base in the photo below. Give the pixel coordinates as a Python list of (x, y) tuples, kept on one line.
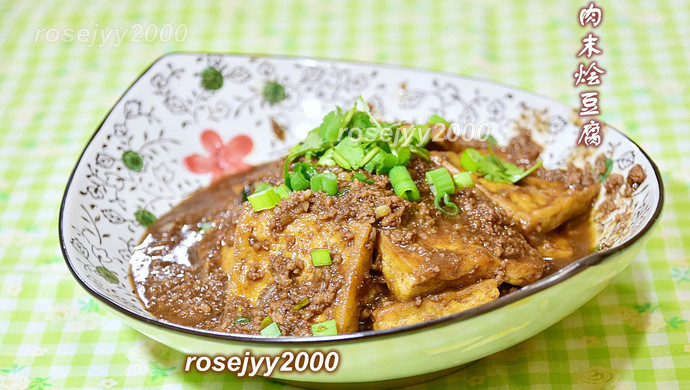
[(385, 384)]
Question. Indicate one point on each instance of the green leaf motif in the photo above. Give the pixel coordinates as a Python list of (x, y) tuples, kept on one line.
[(158, 371), (133, 160), (145, 218), (274, 93), (680, 275), (675, 321), (14, 369), (107, 274), (39, 383), (211, 79), (647, 306), (88, 306)]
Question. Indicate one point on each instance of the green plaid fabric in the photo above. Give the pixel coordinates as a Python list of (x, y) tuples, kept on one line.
[(54, 91)]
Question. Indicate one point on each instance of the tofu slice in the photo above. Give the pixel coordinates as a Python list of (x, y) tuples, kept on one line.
[(521, 272), (258, 251), (538, 205), (227, 259), (432, 264), (434, 306)]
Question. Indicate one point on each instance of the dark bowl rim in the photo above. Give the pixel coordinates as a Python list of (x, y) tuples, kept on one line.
[(571, 270)]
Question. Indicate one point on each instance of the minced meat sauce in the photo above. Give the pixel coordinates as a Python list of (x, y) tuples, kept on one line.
[(196, 267)]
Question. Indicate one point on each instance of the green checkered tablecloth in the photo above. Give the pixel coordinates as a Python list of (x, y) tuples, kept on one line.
[(54, 91)]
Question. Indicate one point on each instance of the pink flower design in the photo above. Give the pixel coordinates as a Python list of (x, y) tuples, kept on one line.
[(223, 158)]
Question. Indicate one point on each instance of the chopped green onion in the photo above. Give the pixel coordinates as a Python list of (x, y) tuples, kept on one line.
[(306, 169), (266, 322), (434, 119), (470, 159), (261, 186), (264, 200), (283, 191), (298, 182), (402, 183), (463, 180), (326, 328), (446, 200), (321, 257), (362, 177), (440, 182), (609, 168), (326, 182), (359, 176), (299, 179), (304, 302), (271, 331), (241, 320), (205, 226), (491, 140)]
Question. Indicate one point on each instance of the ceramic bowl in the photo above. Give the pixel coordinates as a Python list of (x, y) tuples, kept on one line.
[(148, 154)]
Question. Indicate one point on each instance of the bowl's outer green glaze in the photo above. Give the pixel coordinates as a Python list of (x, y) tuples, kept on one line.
[(425, 350)]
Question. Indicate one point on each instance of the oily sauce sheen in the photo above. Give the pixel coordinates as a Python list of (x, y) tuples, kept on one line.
[(213, 263)]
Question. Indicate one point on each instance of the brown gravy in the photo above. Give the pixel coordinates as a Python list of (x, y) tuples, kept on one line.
[(180, 275)]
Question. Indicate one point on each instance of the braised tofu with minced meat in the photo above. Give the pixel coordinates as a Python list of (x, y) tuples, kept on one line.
[(345, 236)]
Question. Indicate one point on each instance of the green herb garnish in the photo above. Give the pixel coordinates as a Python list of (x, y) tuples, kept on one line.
[(442, 186), (326, 182), (261, 186), (271, 331), (326, 328), (609, 168), (440, 182), (380, 147), (321, 257), (266, 322), (434, 119), (402, 183), (205, 226), (361, 177), (463, 180), (283, 191), (493, 168), (264, 200), (304, 302)]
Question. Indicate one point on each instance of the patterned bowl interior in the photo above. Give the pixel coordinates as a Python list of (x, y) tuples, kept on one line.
[(193, 117)]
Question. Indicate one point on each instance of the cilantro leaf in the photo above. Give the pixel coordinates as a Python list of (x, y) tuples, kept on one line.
[(434, 119), (360, 120), (493, 168), (312, 142), (330, 127), (348, 154)]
